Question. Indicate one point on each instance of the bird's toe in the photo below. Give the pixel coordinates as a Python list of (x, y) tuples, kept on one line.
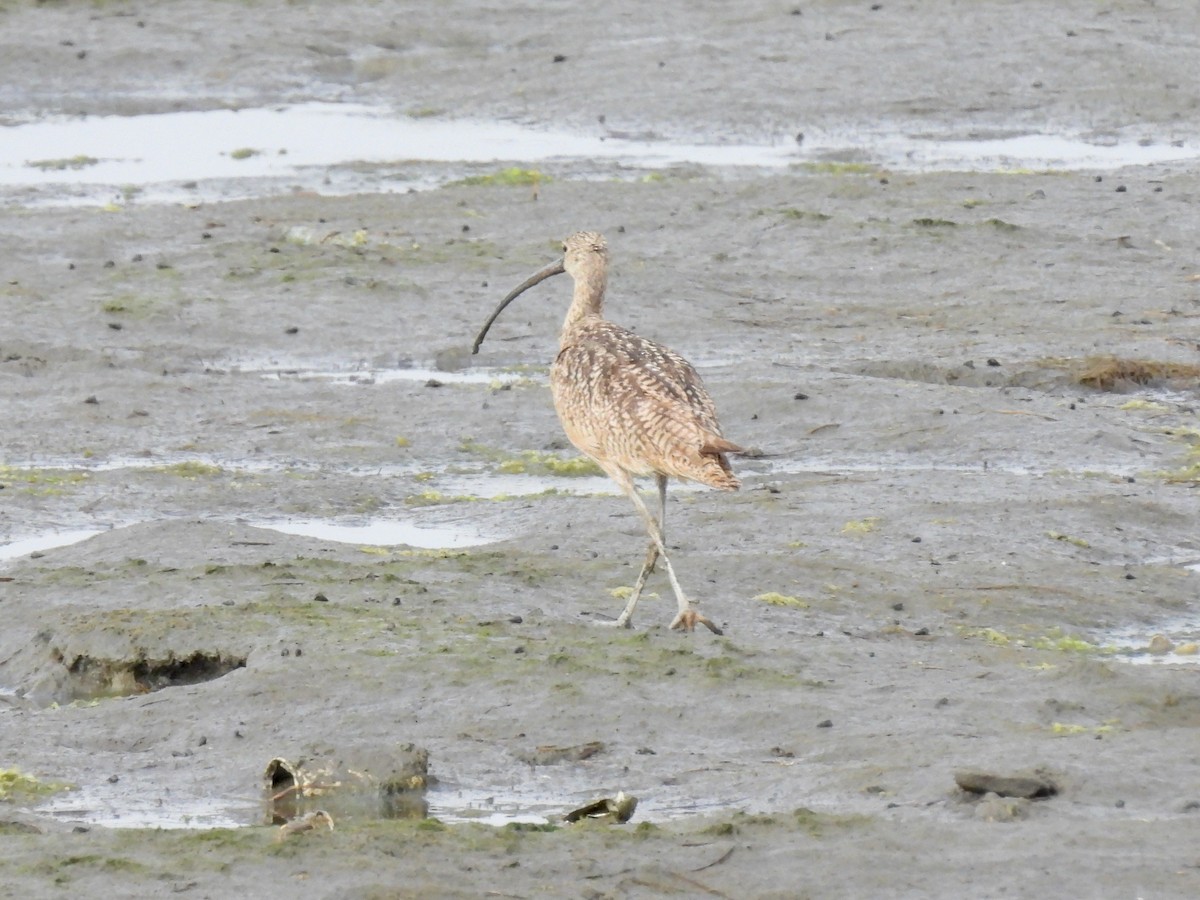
[(689, 618)]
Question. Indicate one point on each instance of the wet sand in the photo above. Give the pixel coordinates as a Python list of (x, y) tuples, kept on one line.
[(950, 553)]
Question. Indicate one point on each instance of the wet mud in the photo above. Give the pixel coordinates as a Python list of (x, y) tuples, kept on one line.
[(258, 502)]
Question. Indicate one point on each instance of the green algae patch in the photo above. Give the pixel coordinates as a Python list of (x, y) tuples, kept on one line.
[(571, 467), (831, 167), (1065, 643), (927, 222), (862, 526), (17, 786), (1147, 405), (532, 462), (41, 482), (435, 498), (190, 469), (819, 824), (1001, 225), (773, 598), (814, 824), (1067, 539), (1054, 640), (1189, 474), (1189, 471), (510, 177), (80, 161)]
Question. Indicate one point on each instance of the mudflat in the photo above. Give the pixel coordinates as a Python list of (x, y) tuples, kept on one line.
[(965, 551)]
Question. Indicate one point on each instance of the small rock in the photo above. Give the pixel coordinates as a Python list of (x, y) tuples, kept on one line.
[(1037, 785), (1160, 645)]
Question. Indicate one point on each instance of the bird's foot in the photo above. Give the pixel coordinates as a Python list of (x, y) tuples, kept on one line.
[(614, 623), (689, 618)]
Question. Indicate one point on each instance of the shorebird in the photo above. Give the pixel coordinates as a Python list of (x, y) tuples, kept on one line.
[(631, 405)]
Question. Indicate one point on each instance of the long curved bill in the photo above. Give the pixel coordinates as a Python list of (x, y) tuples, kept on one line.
[(555, 268)]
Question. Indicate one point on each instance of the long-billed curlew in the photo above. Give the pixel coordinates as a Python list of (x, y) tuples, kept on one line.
[(630, 404)]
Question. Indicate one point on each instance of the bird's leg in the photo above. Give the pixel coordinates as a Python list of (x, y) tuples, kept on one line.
[(687, 617), (625, 619)]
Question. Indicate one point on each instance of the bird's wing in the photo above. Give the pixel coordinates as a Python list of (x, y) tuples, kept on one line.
[(637, 386)]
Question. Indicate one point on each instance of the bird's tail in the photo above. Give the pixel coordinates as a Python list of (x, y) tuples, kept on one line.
[(719, 473)]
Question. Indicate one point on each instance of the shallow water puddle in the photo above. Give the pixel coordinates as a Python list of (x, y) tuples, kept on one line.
[(47, 541), (260, 151), (1171, 642), (117, 806), (369, 376), (366, 532), (381, 533), (458, 805), (844, 465), (1025, 151), (545, 804)]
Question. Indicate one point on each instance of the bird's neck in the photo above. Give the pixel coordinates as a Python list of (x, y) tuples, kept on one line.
[(588, 299)]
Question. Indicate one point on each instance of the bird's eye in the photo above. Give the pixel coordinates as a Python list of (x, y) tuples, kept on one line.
[(564, 248)]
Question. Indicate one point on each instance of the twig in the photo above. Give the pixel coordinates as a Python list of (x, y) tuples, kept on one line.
[(716, 862)]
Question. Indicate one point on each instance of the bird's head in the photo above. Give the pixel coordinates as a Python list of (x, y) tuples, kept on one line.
[(585, 258), (582, 251)]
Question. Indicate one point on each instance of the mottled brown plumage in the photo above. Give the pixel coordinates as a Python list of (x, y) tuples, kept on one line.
[(630, 404)]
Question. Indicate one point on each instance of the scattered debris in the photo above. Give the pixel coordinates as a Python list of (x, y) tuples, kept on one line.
[(618, 809), (1108, 373), (317, 819), (383, 784), (549, 755)]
